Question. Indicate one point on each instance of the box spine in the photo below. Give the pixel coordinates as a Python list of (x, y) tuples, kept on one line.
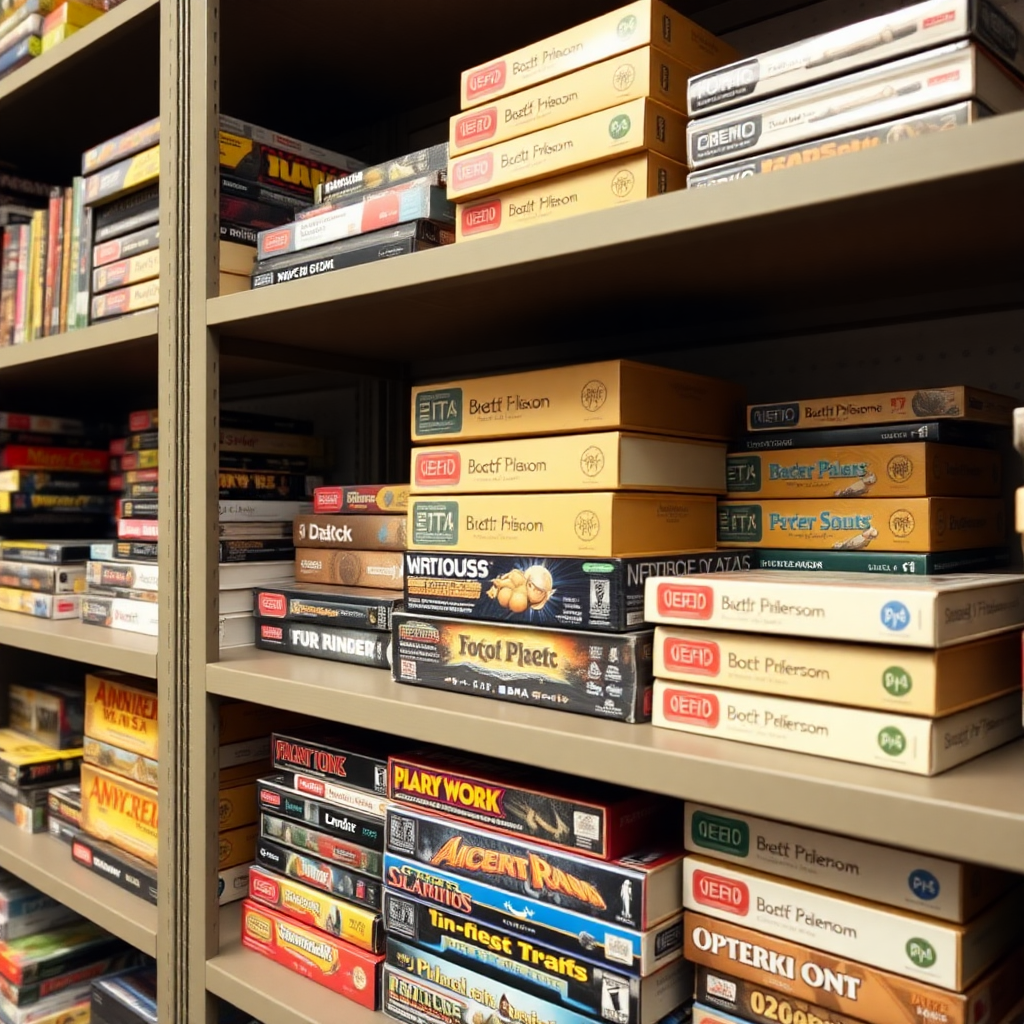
[(276, 799), (320, 874), (352, 646)]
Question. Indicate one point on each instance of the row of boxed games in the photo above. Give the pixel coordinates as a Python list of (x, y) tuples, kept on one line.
[(415, 876)]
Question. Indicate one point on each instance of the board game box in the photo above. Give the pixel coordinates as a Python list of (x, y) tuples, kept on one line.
[(358, 607), (121, 710), (362, 532), (24, 761), (44, 579), (50, 714), (366, 498), (38, 957), (345, 797), (118, 866), (331, 878), (120, 811), (429, 163), (274, 797), (885, 562), (352, 757), (353, 646)]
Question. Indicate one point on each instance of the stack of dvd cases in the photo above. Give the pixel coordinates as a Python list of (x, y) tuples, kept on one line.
[(121, 576), (383, 211), (591, 118), (540, 502), (927, 68)]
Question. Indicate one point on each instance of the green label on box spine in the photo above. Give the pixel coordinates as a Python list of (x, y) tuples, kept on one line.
[(439, 412), (436, 523), (892, 741), (740, 523), (897, 681), (723, 835)]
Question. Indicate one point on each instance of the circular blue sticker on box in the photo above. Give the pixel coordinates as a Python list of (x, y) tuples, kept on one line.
[(923, 884), (895, 616)]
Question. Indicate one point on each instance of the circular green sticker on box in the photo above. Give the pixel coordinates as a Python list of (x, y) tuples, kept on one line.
[(619, 126), (892, 741), (897, 681)]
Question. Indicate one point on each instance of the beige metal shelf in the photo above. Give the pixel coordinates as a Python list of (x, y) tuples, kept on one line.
[(970, 813), (73, 639), (268, 991), (46, 863), (788, 243)]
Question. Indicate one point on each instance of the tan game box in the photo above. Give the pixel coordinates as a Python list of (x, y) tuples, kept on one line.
[(914, 682), (602, 524), (381, 569), (610, 134), (236, 806), (635, 75), (131, 299), (120, 812), (237, 846), (859, 524), (645, 23), (127, 271), (909, 470), (845, 986), (612, 183), (121, 710), (614, 395), (613, 460), (954, 403)]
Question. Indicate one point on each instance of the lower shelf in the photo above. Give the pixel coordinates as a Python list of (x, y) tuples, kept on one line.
[(973, 813), (268, 991), (46, 863), (73, 639)]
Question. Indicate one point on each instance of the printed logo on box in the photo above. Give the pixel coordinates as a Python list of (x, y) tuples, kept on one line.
[(921, 953), (274, 241), (274, 606), (722, 893), (923, 884), (435, 523), (312, 786), (892, 741), (723, 835), (699, 657), (474, 170), (763, 417), (486, 80), (258, 926), (327, 499), (260, 885), (268, 632), (685, 600), (476, 125), (691, 708), (438, 469), (439, 412), (742, 473), (270, 798), (895, 616), (482, 217)]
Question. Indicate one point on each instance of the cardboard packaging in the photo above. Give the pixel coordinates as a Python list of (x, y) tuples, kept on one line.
[(127, 271), (888, 133), (911, 682), (641, 73), (126, 300), (24, 761), (365, 498), (1018, 430), (120, 762), (891, 563), (605, 675), (232, 884), (614, 395), (352, 646), (120, 812), (429, 163), (898, 878), (877, 471), (920, 746), (32, 959), (872, 41), (961, 71), (320, 844), (236, 846), (950, 431), (612, 183), (344, 797), (645, 23), (360, 532), (380, 569), (121, 709), (964, 404), (339, 966), (565, 593), (911, 611), (236, 806), (542, 971), (948, 955), (41, 606), (24, 910), (543, 807), (587, 462), (854, 524), (351, 757), (635, 892), (319, 910), (321, 874), (617, 132), (131, 575), (599, 524), (50, 714), (128, 175), (43, 579), (358, 608)]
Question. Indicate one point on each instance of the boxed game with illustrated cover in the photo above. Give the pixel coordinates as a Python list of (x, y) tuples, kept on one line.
[(24, 761), (634, 892), (127, 271), (49, 713), (65, 802), (120, 811), (124, 145), (429, 163), (324, 845), (42, 606), (44, 579), (361, 532), (121, 613), (564, 593), (53, 552), (345, 797), (339, 966), (33, 993), (132, 575), (353, 646), (896, 563), (121, 248), (368, 498), (382, 569), (321, 874), (607, 675), (127, 175), (546, 972), (577, 934), (121, 709), (599, 819), (353, 757), (361, 927), (38, 957), (126, 998), (126, 300), (120, 762), (360, 608)]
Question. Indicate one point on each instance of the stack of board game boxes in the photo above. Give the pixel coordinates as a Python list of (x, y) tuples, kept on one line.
[(317, 884), (922, 69), (587, 119), (122, 584), (43, 578), (347, 578), (372, 214), (540, 503), (786, 923), (530, 891), (265, 482), (128, 997)]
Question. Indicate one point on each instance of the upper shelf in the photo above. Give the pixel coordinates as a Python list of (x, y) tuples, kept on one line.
[(845, 241), (76, 641), (46, 863), (114, 63), (973, 813)]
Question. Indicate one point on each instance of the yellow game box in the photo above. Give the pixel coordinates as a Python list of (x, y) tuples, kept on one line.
[(612, 183), (602, 524), (236, 806), (120, 812), (614, 395), (610, 134), (911, 470), (859, 524), (121, 710)]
